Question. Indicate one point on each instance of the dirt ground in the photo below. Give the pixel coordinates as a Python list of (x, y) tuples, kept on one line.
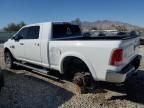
[(25, 89)]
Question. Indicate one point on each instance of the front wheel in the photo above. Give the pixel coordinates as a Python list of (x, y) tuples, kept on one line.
[(9, 60)]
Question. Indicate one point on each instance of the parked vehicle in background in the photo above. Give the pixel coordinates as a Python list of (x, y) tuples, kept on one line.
[(62, 47)]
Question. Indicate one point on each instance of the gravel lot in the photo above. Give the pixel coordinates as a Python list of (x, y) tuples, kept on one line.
[(25, 89)]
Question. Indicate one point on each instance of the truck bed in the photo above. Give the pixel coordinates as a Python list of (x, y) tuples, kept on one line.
[(124, 37)]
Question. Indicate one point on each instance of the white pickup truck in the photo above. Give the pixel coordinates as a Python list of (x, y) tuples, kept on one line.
[(62, 47)]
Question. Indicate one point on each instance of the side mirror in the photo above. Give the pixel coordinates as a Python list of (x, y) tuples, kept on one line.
[(17, 37)]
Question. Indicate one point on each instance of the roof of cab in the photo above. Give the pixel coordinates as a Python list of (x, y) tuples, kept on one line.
[(38, 24), (34, 24)]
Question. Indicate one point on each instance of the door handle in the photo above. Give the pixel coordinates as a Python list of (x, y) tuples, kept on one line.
[(12, 46), (36, 44), (21, 43)]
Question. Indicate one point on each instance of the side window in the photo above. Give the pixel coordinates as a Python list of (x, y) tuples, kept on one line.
[(33, 32), (23, 33), (65, 30)]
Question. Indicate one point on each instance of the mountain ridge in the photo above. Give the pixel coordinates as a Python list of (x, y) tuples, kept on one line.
[(108, 24)]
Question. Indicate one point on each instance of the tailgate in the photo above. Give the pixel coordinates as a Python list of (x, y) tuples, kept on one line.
[(130, 48)]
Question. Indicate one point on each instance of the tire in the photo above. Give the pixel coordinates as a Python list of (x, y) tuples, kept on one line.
[(9, 60), (1, 80), (83, 81)]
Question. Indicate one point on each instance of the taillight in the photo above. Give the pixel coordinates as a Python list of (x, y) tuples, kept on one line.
[(117, 57)]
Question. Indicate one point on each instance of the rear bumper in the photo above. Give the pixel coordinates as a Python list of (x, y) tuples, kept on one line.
[(125, 73)]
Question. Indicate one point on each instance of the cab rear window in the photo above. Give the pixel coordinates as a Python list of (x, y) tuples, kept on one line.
[(65, 30)]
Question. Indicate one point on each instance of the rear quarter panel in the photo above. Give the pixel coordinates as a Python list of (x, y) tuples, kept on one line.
[(96, 54)]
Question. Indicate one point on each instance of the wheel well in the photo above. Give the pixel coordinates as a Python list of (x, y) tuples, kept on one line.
[(73, 64), (6, 50)]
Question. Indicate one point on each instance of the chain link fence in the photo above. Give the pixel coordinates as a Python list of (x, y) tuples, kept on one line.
[(4, 36)]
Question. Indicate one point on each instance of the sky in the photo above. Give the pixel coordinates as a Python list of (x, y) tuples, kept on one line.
[(34, 11)]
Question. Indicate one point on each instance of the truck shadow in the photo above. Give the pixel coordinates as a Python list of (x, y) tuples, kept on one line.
[(31, 90), (133, 90), (23, 90)]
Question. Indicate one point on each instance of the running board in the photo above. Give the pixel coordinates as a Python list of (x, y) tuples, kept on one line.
[(31, 67)]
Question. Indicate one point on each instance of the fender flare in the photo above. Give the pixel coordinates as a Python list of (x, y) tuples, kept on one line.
[(81, 57), (9, 51)]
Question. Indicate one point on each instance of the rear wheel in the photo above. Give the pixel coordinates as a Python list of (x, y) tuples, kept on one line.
[(9, 60), (75, 69), (83, 81)]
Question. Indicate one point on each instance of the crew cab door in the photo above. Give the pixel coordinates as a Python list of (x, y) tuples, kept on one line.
[(32, 45), (18, 44)]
